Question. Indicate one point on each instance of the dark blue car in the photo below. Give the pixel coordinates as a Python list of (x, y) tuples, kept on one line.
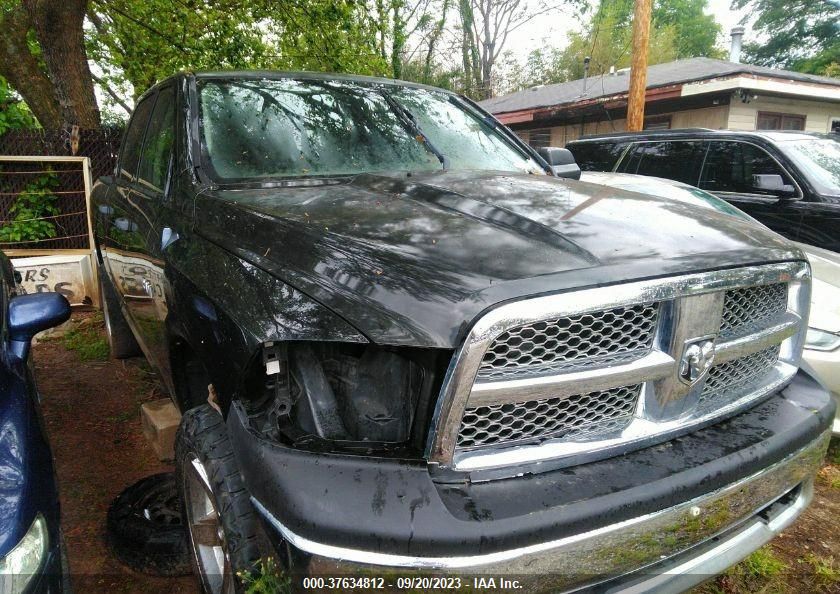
[(30, 540)]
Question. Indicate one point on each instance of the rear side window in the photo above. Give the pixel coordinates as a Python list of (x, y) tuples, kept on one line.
[(597, 156), (157, 149), (730, 167), (130, 155), (679, 160)]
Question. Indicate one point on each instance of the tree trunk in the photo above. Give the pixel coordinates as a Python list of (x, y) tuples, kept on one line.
[(58, 28), (433, 39), (21, 69), (398, 45)]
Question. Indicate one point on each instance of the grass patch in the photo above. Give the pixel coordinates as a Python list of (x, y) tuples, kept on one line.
[(763, 563), (122, 417), (87, 340), (760, 573), (833, 456), (265, 578), (826, 573)]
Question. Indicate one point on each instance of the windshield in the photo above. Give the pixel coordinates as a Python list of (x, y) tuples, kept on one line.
[(252, 129), (819, 160)]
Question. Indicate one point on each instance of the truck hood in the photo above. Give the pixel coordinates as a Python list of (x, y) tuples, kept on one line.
[(412, 260)]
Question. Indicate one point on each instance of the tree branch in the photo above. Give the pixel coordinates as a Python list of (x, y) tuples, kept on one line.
[(106, 87)]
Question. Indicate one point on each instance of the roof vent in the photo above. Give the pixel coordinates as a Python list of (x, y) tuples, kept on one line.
[(735, 49)]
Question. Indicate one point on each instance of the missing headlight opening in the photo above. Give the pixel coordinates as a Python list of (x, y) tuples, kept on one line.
[(340, 392)]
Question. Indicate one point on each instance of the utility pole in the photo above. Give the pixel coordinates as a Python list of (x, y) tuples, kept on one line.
[(638, 67)]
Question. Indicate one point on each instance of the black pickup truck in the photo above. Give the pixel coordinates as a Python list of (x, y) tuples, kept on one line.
[(408, 355)]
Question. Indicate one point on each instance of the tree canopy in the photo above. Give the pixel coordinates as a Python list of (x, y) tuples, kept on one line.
[(802, 35), (680, 29), (79, 62)]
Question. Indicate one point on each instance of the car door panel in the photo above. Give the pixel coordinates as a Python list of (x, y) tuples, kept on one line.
[(146, 303), (728, 173), (679, 160), (123, 236)]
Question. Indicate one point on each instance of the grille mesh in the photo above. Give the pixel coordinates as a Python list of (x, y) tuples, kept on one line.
[(591, 413), (730, 378), (607, 338), (622, 332), (750, 307)]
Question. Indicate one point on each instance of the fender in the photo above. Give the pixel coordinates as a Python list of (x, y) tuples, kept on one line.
[(225, 308)]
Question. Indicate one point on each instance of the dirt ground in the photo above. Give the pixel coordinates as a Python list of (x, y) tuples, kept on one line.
[(92, 411)]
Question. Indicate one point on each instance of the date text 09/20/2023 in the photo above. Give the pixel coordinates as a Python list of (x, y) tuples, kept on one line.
[(410, 583)]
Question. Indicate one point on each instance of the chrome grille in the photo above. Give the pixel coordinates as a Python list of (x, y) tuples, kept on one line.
[(590, 338), (605, 369), (734, 377), (750, 307), (551, 417)]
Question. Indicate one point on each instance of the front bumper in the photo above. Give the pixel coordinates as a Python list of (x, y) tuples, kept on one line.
[(660, 519)]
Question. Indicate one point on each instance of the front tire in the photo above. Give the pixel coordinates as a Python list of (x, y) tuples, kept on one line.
[(121, 339), (218, 514)]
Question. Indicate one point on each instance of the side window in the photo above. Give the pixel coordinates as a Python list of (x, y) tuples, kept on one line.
[(130, 155), (157, 149), (679, 160), (730, 167), (597, 156)]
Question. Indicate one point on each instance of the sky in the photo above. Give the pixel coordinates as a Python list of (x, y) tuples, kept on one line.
[(554, 28)]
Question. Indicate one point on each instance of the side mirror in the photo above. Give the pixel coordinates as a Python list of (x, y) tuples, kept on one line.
[(561, 160), (31, 314), (771, 182)]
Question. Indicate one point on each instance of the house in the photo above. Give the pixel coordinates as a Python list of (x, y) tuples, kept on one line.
[(690, 93)]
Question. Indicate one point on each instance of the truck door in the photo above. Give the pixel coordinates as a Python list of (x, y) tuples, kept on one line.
[(146, 303), (123, 240)]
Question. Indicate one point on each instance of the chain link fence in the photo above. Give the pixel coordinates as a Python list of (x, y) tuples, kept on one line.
[(43, 204)]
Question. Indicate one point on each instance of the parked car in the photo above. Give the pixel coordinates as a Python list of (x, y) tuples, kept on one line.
[(30, 537), (403, 346), (790, 181), (822, 341)]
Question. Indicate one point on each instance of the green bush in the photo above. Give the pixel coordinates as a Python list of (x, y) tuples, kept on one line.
[(27, 213)]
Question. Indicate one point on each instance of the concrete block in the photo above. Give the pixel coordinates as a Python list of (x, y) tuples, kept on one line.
[(160, 420)]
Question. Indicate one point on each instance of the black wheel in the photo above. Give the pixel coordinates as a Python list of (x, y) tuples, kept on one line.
[(145, 530), (220, 519), (120, 337)]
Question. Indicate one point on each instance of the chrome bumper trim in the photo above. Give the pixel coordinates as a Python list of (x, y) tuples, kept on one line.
[(681, 576), (617, 549)]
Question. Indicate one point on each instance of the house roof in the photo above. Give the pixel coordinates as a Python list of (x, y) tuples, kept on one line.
[(658, 75)]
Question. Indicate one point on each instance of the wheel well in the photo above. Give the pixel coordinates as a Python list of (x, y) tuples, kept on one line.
[(189, 376)]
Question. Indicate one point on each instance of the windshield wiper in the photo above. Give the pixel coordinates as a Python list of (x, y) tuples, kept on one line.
[(408, 119)]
